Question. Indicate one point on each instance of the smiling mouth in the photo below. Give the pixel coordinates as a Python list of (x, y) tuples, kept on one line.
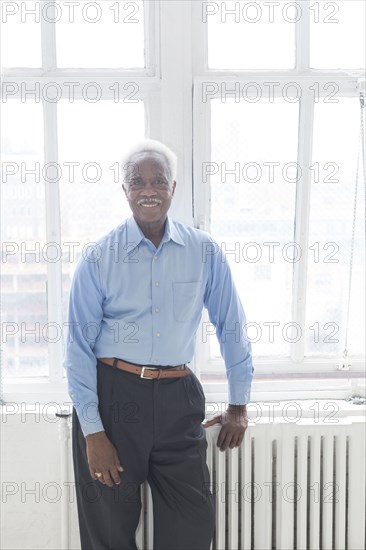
[(149, 204)]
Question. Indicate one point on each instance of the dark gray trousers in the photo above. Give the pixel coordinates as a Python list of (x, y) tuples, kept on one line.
[(156, 427)]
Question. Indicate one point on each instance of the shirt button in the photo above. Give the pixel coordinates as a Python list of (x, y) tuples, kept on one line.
[(155, 257), (158, 334), (157, 310), (157, 283), (155, 360)]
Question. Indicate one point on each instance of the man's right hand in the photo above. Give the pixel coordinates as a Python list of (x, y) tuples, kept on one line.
[(103, 458)]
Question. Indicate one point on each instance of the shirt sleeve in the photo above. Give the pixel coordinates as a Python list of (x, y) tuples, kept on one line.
[(227, 315), (85, 313)]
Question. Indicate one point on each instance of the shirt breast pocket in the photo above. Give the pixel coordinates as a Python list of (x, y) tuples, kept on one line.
[(186, 299)]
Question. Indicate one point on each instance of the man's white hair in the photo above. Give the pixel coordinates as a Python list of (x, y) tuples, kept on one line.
[(151, 146)]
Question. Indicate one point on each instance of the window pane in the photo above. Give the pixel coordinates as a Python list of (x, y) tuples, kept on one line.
[(252, 211), (21, 34), (251, 35), (337, 34), (24, 306), (92, 199), (101, 34), (336, 132)]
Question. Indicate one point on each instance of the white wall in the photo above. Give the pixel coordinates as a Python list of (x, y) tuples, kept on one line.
[(31, 485)]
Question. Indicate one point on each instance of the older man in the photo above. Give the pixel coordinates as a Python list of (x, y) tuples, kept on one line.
[(135, 305)]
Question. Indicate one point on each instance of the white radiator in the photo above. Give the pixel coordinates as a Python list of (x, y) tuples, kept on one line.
[(289, 486)]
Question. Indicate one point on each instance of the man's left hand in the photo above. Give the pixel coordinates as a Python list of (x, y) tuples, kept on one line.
[(234, 423)]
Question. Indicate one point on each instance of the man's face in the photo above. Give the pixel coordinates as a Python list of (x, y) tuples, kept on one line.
[(148, 188)]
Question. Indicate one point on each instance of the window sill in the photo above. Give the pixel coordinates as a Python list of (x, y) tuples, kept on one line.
[(265, 388), (308, 367)]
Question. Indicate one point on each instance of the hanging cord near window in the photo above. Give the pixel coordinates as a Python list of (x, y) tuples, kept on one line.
[(360, 156)]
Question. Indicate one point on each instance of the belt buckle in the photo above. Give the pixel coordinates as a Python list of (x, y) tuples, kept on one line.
[(143, 370)]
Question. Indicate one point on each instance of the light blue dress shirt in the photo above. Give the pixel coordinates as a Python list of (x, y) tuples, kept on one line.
[(131, 300)]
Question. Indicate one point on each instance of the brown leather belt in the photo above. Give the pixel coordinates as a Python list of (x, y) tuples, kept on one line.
[(147, 372)]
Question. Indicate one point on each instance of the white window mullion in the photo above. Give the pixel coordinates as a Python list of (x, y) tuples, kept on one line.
[(48, 39), (303, 186), (202, 153), (153, 114), (153, 67), (176, 98), (151, 35), (53, 235), (201, 121), (199, 40), (302, 217), (302, 38), (52, 196)]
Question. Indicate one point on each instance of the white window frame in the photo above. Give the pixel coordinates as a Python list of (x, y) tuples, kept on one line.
[(269, 374), (165, 86), (170, 86)]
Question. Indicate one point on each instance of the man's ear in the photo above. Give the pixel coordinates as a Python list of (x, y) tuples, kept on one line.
[(174, 184), (124, 189)]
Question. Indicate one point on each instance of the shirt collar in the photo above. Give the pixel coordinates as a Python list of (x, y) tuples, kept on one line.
[(171, 232), (135, 234)]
